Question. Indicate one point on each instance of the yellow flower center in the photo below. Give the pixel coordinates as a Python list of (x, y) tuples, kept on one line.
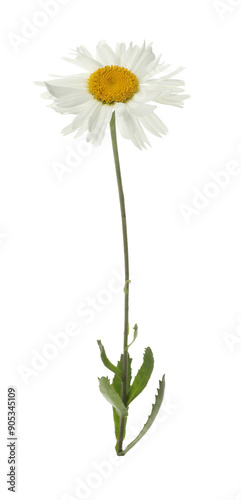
[(113, 84)]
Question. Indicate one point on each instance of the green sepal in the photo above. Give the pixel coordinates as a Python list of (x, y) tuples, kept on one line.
[(107, 362), (117, 385), (135, 335), (112, 396), (142, 377), (155, 409)]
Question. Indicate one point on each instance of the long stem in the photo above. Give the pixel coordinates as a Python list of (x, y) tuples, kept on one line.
[(126, 288)]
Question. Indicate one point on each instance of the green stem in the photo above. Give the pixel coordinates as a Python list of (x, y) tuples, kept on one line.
[(127, 280)]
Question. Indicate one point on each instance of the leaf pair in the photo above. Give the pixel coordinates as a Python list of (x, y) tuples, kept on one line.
[(142, 377), (113, 392)]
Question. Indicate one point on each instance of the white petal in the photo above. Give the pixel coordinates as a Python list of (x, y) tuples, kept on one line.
[(129, 56), (82, 118), (140, 109), (171, 84), (129, 127), (105, 54), (138, 56), (144, 59), (72, 81), (72, 101), (150, 69), (58, 91), (40, 84), (98, 122), (146, 93), (145, 78), (126, 126), (84, 51), (140, 133), (152, 123), (166, 77), (120, 51), (46, 95), (84, 59), (172, 100)]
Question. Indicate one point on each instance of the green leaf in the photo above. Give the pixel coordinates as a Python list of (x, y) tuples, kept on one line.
[(112, 396), (107, 362), (135, 335), (155, 409), (117, 385), (142, 377)]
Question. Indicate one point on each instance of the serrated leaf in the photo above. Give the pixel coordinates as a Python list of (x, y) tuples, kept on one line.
[(142, 377), (134, 337), (112, 396), (107, 362), (118, 388), (155, 409)]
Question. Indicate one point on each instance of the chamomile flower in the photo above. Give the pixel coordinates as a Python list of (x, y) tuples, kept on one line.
[(121, 81), (119, 87)]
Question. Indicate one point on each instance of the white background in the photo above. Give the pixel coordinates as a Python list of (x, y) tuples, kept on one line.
[(61, 247)]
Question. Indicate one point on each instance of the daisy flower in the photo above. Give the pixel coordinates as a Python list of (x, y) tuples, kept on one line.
[(119, 87), (121, 81)]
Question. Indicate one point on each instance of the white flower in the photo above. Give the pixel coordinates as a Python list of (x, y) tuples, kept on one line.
[(120, 81)]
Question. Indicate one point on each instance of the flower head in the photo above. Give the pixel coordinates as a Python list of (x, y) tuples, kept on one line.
[(120, 81)]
